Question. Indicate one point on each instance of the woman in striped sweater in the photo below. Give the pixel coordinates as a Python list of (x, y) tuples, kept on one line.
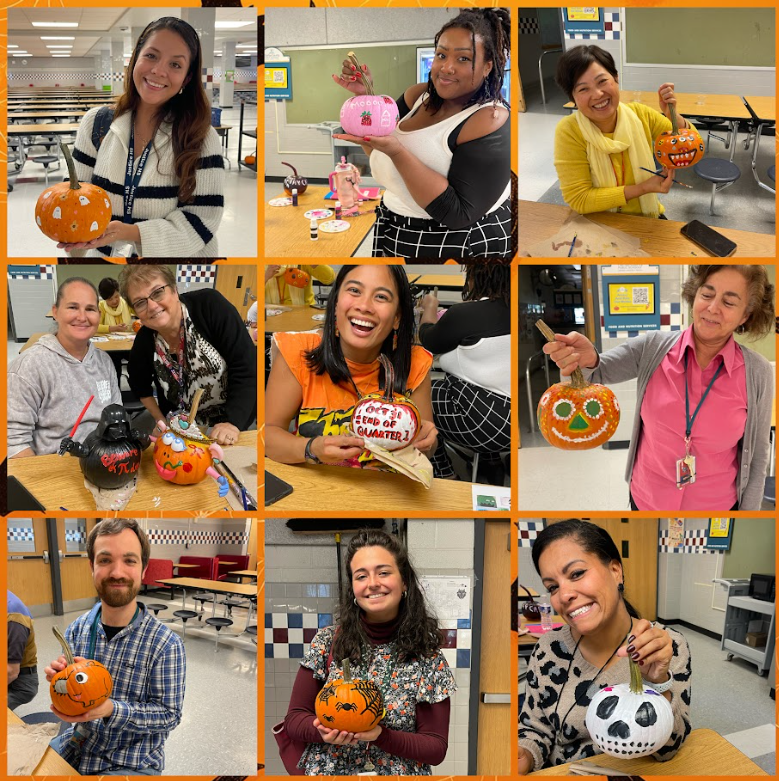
[(160, 160)]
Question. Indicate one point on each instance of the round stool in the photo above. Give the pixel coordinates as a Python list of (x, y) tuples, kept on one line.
[(230, 603), (721, 173), (185, 615), (202, 598), (252, 630), (155, 607), (772, 173), (218, 623)]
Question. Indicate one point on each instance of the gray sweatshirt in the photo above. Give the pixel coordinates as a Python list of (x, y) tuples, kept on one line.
[(48, 388)]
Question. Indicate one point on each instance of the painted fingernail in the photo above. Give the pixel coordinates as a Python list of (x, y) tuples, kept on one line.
[(353, 68), (634, 656), (631, 638), (365, 68), (631, 648), (352, 78), (641, 662)]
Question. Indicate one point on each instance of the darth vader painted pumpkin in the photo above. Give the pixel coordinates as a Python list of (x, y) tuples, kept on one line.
[(183, 454), (81, 686), (385, 418), (110, 456), (629, 720), (296, 277)]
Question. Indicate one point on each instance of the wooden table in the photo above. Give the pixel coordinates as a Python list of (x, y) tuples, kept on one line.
[(41, 129), (186, 566), (287, 231), (111, 346), (328, 488), (214, 586), (441, 281), (764, 107), (55, 114), (660, 238), (299, 318), (54, 105), (244, 573), (57, 481), (704, 753), (51, 764)]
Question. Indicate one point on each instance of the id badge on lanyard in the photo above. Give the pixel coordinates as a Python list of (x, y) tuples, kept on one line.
[(131, 180)]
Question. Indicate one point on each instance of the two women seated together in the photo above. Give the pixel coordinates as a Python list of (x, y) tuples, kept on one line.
[(317, 378), (186, 342)]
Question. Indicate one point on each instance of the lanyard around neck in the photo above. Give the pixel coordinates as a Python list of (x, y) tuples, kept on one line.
[(132, 178), (690, 420), (93, 629)]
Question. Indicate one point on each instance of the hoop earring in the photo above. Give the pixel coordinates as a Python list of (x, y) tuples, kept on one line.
[(355, 601)]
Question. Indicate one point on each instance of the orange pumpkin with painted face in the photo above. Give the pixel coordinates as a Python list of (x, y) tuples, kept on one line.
[(296, 277), (679, 148), (183, 455)]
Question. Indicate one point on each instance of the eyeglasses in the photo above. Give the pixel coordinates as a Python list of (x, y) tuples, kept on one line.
[(156, 295)]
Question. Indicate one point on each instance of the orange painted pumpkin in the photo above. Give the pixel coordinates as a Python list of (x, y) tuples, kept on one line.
[(81, 686), (70, 211), (349, 704), (679, 148), (385, 418), (137, 326), (296, 277), (250, 159), (183, 454)]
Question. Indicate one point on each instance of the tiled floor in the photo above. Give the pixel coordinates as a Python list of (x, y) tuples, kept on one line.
[(237, 234)]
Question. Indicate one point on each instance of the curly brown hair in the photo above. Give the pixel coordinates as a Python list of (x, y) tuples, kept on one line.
[(417, 633), (189, 112), (761, 296)]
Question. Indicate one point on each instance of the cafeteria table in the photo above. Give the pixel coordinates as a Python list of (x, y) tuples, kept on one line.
[(298, 318), (287, 232), (111, 346), (765, 111), (660, 238), (213, 586), (244, 573), (704, 753), (324, 488), (441, 281), (51, 764), (53, 114), (57, 483)]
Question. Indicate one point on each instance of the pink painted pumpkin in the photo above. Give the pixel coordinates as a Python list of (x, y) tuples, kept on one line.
[(369, 115)]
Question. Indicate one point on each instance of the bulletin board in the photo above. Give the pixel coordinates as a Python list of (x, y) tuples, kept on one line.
[(719, 533), (729, 37), (631, 298), (318, 99)]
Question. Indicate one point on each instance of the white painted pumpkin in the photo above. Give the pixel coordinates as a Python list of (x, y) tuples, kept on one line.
[(629, 720)]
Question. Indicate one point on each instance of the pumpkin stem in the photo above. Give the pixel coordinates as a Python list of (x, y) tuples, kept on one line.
[(347, 671), (577, 378), (636, 684), (366, 79), (389, 377), (290, 166), (64, 643), (74, 183), (674, 119)]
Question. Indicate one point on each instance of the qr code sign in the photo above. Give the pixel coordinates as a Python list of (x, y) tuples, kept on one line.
[(279, 76), (641, 295)]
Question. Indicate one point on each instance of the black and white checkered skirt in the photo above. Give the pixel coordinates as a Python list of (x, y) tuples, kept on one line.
[(396, 236)]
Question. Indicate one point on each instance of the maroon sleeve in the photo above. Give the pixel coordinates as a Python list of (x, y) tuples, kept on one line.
[(299, 721), (431, 740)]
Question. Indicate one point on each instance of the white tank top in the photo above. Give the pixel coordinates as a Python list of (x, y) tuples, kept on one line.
[(431, 146)]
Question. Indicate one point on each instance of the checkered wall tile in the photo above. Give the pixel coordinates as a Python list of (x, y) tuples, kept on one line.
[(33, 77), (694, 542), (289, 636), (19, 534), (612, 26), (670, 320), (74, 535), (528, 25), (182, 537), (30, 272), (196, 274), (527, 532)]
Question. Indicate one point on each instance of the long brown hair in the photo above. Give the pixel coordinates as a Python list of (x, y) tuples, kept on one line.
[(189, 112)]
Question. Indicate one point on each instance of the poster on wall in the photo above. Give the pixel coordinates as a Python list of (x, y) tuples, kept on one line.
[(719, 534), (583, 21), (448, 598), (675, 533), (278, 80), (631, 296)]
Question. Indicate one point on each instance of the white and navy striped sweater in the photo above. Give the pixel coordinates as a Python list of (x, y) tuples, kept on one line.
[(168, 228)]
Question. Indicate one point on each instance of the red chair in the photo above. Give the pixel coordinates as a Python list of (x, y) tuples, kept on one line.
[(158, 569), (237, 562)]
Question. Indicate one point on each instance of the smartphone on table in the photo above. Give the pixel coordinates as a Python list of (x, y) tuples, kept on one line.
[(708, 239)]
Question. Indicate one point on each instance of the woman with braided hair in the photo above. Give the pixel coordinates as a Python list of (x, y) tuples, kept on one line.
[(446, 168)]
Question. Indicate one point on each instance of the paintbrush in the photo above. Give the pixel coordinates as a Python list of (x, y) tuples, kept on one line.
[(681, 184)]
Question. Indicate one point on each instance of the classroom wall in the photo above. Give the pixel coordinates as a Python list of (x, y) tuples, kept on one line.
[(301, 592), (172, 538), (752, 548)]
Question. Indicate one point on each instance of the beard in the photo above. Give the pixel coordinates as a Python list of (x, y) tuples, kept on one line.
[(117, 597)]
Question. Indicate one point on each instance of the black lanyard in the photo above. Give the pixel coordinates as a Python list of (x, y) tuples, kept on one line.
[(690, 420), (131, 179)]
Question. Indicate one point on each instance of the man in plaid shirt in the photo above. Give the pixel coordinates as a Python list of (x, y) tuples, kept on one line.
[(126, 734)]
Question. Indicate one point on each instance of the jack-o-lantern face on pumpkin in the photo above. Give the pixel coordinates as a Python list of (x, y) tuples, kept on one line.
[(181, 461), (578, 418), (678, 148)]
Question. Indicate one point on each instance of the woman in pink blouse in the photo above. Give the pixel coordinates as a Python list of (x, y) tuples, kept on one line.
[(701, 436)]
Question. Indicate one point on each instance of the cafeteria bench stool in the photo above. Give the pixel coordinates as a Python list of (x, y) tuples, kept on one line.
[(202, 598), (252, 630), (721, 173), (155, 608), (184, 615), (218, 623)]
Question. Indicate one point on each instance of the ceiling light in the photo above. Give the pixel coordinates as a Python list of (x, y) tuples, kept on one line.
[(12, 46), (58, 38), (21, 54), (233, 25), (59, 45), (60, 55), (54, 24), (245, 45)]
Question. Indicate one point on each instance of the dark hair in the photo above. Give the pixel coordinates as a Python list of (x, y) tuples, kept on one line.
[(590, 538), (575, 61), (107, 287), (189, 112), (488, 280), (417, 633), (760, 306), (110, 526), (328, 357), (493, 26), (69, 281)]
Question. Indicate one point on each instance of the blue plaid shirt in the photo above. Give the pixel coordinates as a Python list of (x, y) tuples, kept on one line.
[(147, 663)]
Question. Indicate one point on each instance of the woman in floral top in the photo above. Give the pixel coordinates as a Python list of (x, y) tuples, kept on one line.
[(385, 631)]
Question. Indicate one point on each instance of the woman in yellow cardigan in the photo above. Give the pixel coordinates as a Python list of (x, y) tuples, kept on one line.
[(277, 291), (601, 148), (115, 312)]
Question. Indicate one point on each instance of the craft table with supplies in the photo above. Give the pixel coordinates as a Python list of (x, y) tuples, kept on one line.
[(704, 753), (297, 318), (57, 482), (318, 488), (52, 764), (287, 232), (659, 238)]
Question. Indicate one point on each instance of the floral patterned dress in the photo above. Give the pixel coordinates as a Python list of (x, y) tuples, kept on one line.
[(402, 686)]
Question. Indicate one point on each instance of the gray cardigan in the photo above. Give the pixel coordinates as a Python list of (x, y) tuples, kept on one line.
[(641, 355)]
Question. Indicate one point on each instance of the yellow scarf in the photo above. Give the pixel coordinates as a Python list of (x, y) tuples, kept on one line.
[(628, 134)]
